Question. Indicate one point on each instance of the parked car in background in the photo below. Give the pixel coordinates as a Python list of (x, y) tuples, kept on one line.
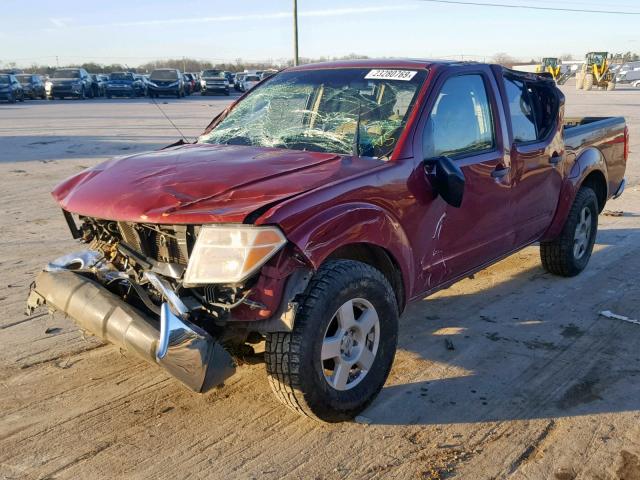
[(166, 81), (142, 84), (98, 85), (71, 82), (196, 81), (267, 74), (191, 80), (229, 76), (10, 88), (213, 81), (189, 86), (628, 73), (48, 85), (33, 85), (237, 81), (249, 82), (124, 84)]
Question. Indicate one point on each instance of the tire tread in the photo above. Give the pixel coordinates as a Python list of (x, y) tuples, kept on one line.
[(282, 350)]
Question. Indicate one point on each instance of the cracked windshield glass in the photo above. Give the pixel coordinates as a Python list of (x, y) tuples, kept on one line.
[(344, 111)]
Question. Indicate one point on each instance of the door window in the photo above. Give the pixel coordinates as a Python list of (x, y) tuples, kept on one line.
[(461, 122), (523, 121)]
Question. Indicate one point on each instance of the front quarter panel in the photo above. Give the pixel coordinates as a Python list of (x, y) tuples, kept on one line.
[(353, 223)]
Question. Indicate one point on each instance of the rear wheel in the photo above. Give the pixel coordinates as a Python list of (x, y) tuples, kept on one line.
[(611, 86), (588, 81), (340, 352), (569, 254)]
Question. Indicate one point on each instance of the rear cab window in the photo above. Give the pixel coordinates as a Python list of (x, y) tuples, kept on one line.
[(461, 121), (533, 109)]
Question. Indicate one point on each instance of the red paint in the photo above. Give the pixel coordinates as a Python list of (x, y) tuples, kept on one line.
[(323, 201)]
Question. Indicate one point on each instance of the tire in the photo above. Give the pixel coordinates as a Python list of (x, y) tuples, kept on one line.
[(611, 86), (11, 98), (314, 387), (579, 81), (83, 94), (569, 254), (588, 81)]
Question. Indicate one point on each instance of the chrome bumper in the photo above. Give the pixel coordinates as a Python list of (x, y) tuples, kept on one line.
[(183, 349)]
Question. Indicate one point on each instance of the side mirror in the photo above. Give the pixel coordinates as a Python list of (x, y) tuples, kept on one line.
[(447, 178)]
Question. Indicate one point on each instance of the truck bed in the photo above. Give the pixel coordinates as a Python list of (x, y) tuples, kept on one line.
[(607, 135)]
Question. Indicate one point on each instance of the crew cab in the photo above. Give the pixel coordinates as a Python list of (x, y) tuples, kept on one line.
[(314, 209)]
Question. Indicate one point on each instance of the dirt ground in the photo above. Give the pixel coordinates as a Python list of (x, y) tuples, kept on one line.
[(538, 386)]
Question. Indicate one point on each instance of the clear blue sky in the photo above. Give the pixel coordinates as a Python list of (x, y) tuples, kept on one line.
[(135, 32)]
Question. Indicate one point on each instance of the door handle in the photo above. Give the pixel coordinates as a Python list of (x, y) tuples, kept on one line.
[(555, 159), (500, 172)]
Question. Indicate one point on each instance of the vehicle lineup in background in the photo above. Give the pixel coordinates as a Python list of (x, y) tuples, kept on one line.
[(313, 210), (11, 90)]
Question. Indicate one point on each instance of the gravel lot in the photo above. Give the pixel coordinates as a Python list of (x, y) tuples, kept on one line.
[(538, 385)]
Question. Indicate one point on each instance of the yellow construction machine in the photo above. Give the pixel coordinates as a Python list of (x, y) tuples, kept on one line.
[(595, 72), (550, 65)]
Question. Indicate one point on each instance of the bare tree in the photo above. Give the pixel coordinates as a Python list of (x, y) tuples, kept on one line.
[(504, 59)]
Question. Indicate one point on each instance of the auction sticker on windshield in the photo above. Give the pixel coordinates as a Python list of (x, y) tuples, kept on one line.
[(405, 75)]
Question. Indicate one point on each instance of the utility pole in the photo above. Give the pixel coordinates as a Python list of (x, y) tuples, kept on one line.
[(57, 61), (295, 32), (184, 65)]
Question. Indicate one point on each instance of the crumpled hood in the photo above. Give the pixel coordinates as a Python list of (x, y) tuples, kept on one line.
[(200, 183)]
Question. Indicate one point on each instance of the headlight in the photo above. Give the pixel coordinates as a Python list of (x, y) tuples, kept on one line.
[(203, 83), (230, 254)]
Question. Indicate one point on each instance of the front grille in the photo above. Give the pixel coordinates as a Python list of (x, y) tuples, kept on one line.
[(164, 243)]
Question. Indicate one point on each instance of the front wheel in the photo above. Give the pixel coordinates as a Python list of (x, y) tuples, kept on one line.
[(569, 254), (340, 352)]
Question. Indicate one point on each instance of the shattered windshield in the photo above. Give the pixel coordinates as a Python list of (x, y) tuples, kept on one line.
[(346, 111)]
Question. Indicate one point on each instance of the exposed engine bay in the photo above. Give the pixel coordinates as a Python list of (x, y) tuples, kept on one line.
[(145, 263)]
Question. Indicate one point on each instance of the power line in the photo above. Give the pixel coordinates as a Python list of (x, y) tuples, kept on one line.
[(531, 7)]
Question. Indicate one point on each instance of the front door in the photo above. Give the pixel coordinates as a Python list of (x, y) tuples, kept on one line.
[(464, 125)]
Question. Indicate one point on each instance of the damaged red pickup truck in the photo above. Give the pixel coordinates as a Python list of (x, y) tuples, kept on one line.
[(311, 211)]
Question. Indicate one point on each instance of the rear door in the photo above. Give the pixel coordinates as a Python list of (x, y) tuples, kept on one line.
[(465, 125), (537, 151)]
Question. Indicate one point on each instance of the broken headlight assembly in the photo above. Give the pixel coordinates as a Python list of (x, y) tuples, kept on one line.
[(231, 253)]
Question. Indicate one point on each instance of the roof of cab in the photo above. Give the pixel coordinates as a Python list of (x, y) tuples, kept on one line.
[(378, 63)]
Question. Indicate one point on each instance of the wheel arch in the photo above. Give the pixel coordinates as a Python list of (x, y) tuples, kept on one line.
[(363, 232), (589, 169), (380, 259)]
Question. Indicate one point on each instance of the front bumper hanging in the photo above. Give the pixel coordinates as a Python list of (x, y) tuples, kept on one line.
[(183, 349)]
